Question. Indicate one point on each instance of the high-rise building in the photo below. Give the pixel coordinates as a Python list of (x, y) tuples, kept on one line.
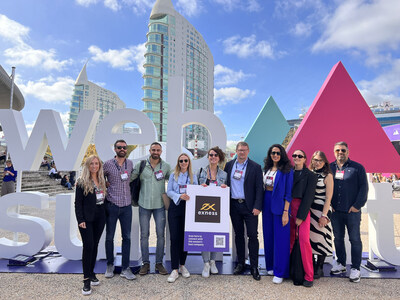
[(88, 95), (175, 48)]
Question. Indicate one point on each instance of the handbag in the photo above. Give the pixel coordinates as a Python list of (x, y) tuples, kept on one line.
[(166, 200), (135, 185), (296, 270)]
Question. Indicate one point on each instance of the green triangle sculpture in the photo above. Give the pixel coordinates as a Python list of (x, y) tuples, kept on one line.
[(270, 127)]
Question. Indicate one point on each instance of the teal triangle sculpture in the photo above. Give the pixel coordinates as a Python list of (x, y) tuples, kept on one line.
[(270, 127)]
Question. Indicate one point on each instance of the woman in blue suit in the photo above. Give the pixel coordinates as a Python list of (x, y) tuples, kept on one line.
[(278, 181)]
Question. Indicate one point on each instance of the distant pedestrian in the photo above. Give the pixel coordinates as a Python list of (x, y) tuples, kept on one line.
[(8, 185)]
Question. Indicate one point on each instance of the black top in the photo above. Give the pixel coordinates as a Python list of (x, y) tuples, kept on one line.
[(304, 184), (85, 206)]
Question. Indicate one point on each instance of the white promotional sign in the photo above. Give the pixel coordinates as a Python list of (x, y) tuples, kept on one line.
[(207, 219)]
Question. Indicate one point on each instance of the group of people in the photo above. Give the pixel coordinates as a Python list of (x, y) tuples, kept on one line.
[(297, 200)]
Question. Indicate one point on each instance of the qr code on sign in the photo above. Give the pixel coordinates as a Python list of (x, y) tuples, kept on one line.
[(219, 241)]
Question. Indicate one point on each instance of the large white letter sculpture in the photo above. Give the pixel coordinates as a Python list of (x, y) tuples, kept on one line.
[(178, 119), (39, 230), (27, 153), (381, 207)]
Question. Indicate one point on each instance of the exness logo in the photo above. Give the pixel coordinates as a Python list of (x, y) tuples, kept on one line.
[(208, 209)]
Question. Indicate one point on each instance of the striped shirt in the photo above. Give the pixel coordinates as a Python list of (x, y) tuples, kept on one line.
[(118, 192)]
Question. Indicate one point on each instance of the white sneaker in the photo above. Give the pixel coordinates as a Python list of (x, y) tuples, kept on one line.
[(185, 273), (173, 276), (355, 275), (213, 266), (337, 268), (277, 280), (206, 270), (109, 272), (270, 272)]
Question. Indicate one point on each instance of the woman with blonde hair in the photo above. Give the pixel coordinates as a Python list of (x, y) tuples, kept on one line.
[(177, 184), (91, 216)]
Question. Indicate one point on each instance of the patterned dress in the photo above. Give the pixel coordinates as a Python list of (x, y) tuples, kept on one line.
[(321, 238)]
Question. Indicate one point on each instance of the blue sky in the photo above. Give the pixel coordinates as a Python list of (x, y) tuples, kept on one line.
[(283, 49)]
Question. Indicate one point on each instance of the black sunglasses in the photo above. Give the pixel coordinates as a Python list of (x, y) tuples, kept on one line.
[(213, 155), (343, 150), (183, 160), (297, 155), (275, 153), (121, 147)]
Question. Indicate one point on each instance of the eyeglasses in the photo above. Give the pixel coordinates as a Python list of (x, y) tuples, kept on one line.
[(297, 155), (275, 153), (341, 150), (183, 160), (121, 147), (317, 160), (213, 155)]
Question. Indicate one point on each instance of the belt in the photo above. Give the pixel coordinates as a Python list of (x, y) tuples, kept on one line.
[(239, 200)]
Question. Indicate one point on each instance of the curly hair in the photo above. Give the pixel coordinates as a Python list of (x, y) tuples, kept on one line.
[(220, 153), (85, 180), (284, 164)]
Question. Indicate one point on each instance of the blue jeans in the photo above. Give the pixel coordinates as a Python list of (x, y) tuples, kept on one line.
[(341, 220), (144, 221), (124, 215)]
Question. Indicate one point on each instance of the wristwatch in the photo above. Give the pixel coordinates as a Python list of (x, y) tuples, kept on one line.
[(325, 216)]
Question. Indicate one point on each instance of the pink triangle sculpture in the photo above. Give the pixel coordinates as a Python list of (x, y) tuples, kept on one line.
[(340, 113)]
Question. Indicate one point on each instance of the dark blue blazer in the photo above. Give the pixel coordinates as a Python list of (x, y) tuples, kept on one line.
[(282, 191), (253, 184)]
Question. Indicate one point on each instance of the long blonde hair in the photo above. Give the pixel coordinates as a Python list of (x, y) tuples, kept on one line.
[(85, 180), (178, 168)]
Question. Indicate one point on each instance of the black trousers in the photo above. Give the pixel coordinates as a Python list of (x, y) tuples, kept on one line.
[(241, 215), (90, 238), (176, 222)]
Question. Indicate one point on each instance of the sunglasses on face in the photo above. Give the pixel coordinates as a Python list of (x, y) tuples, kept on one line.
[(341, 150), (297, 155), (183, 160), (275, 153), (213, 155), (121, 147)]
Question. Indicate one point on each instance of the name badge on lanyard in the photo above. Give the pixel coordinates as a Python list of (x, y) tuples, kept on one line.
[(159, 175), (99, 197), (213, 183), (238, 174), (269, 181), (124, 176), (182, 188), (339, 175)]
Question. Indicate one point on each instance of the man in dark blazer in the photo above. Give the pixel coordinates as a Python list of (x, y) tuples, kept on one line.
[(246, 186)]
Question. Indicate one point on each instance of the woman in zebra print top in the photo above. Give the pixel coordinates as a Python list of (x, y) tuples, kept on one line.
[(320, 226)]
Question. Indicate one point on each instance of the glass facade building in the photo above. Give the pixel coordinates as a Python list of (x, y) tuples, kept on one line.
[(175, 48)]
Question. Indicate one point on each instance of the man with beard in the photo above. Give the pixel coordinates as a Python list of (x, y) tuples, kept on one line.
[(118, 207), (152, 186), (349, 196)]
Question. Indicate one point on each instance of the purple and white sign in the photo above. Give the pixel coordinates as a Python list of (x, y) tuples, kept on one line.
[(207, 219)]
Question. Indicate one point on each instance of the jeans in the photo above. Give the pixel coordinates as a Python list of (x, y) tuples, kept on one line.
[(341, 220), (144, 220), (90, 239), (124, 215), (207, 256)]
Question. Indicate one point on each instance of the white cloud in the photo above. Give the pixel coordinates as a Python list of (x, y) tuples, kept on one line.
[(218, 112), (123, 59), (64, 119), (364, 25), (112, 4), (302, 29), (48, 89), (86, 3), (247, 5), (23, 54), (190, 7), (225, 76), (248, 46), (231, 95), (385, 87)]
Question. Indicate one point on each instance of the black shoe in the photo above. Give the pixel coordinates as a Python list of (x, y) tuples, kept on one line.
[(255, 273), (94, 280), (239, 269), (318, 273), (307, 283), (86, 290)]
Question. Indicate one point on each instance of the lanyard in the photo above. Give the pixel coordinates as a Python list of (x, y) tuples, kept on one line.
[(118, 167), (148, 160), (187, 178), (244, 166)]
